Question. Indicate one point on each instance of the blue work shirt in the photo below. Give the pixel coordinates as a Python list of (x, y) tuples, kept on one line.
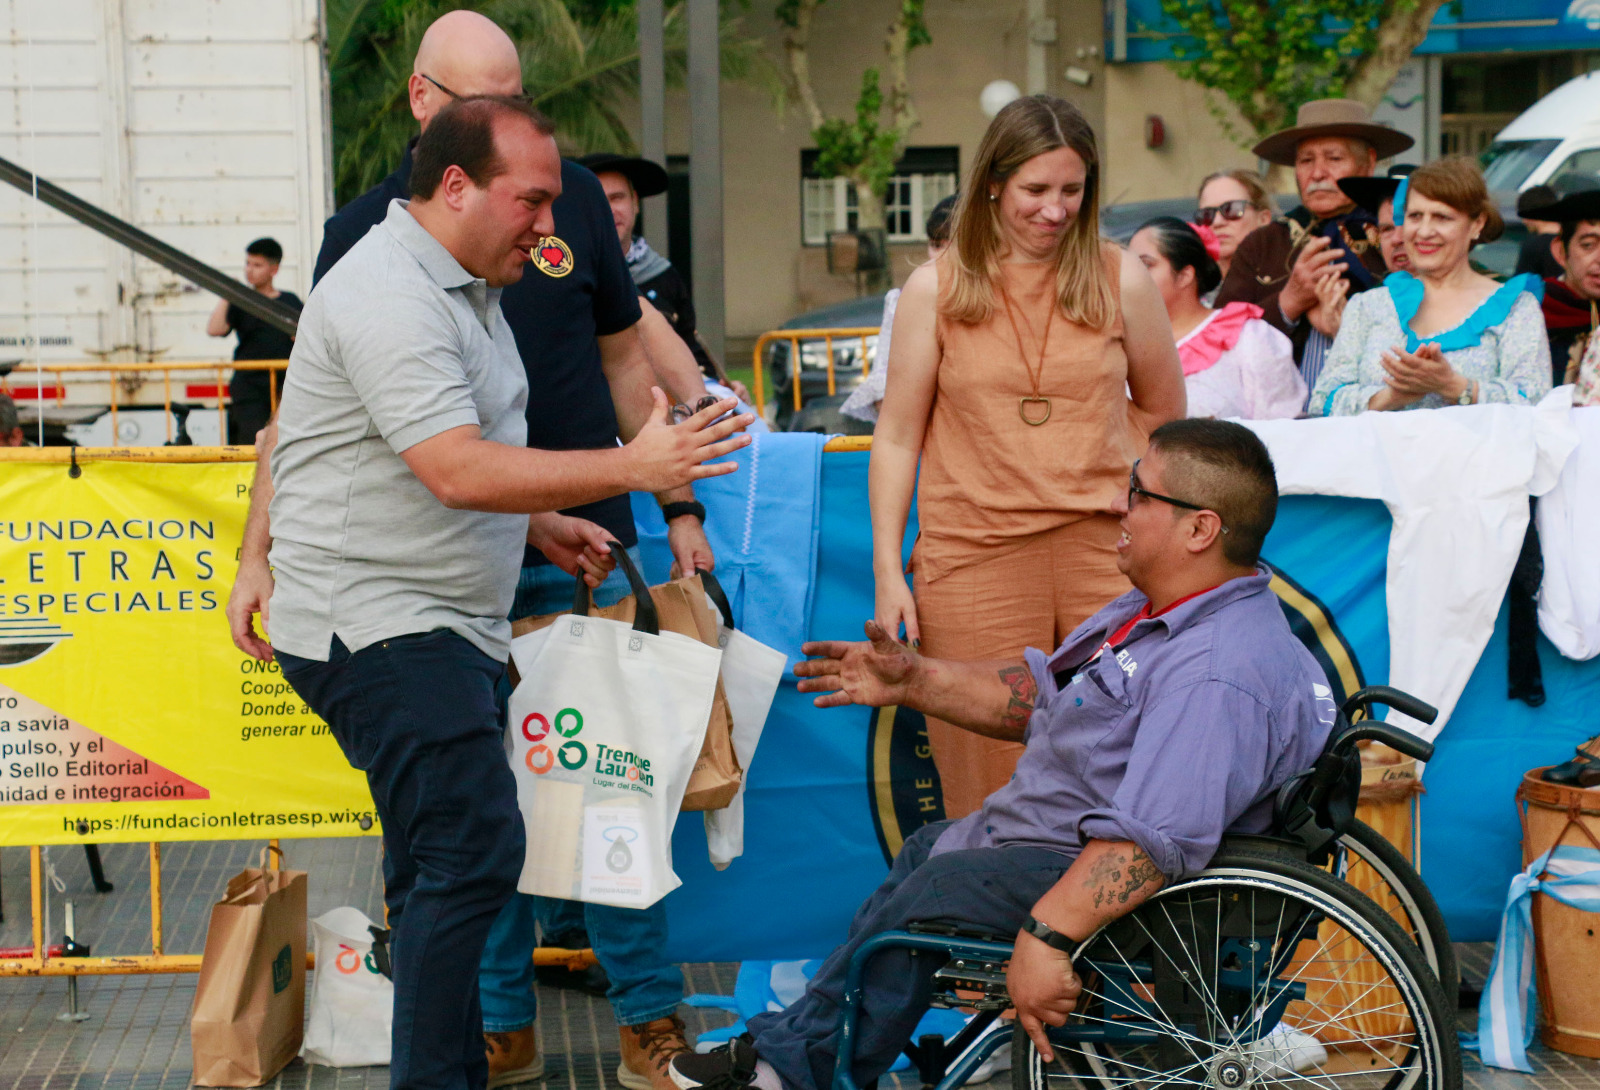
[(1183, 731), (576, 289)]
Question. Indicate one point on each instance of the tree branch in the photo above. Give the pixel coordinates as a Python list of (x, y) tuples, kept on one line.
[(796, 40), (1397, 36), (902, 111)]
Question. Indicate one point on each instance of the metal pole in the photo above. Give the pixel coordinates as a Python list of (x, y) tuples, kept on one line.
[(705, 173), (653, 112), (72, 1013)]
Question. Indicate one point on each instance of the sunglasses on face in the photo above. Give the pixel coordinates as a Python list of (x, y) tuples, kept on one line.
[(1135, 489), (524, 99), (1231, 211)]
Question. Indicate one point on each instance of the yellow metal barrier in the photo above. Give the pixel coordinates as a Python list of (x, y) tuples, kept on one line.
[(130, 377), (794, 337)]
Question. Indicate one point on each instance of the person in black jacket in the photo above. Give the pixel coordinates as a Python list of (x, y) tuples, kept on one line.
[(628, 180)]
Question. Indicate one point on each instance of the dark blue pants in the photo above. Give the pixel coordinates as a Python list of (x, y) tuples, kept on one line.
[(418, 715), (992, 888)]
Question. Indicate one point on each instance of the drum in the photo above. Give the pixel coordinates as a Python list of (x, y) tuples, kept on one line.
[(1565, 938)]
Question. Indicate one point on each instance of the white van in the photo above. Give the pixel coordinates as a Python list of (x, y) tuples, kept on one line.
[(1554, 139)]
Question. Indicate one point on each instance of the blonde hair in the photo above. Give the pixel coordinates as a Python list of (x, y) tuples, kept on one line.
[(1254, 188), (1026, 128)]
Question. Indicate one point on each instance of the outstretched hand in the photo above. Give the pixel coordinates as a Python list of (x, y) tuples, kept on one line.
[(875, 673)]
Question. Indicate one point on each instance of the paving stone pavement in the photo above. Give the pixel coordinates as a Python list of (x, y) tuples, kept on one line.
[(137, 1033)]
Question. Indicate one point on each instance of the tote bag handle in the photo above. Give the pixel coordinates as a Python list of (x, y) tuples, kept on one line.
[(645, 618), (719, 598)]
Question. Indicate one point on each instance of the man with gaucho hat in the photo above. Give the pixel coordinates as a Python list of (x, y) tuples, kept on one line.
[(1279, 267), (1572, 299)]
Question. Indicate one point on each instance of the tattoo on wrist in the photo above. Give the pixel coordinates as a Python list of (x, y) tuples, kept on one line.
[(1115, 879), (1024, 692)]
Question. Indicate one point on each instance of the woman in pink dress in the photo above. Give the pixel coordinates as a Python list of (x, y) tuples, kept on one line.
[(1235, 365)]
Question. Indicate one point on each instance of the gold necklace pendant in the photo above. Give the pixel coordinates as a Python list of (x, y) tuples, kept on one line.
[(1022, 409)]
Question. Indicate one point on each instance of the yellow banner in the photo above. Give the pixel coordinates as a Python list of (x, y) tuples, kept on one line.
[(126, 713)]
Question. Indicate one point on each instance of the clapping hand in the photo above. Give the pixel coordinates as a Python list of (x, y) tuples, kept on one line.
[(1417, 374), (1333, 291), (1317, 258)]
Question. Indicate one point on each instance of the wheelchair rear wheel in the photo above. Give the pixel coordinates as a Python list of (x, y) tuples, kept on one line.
[(1378, 869), (1261, 971)]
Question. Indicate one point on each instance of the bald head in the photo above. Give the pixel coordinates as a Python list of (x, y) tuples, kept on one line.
[(463, 54)]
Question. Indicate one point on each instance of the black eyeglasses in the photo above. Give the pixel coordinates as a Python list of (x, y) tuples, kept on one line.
[(1228, 210), (515, 98), (1135, 489)]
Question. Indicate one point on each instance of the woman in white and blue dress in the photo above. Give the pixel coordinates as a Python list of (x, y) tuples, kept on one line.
[(1441, 333)]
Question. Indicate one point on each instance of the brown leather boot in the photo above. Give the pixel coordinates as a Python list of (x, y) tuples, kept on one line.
[(647, 1052), (513, 1057)]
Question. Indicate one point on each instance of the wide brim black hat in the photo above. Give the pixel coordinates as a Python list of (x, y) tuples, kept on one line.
[(1370, 193), (649, 179), (1573, 207)]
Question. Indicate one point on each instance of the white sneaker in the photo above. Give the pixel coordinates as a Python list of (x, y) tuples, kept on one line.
[(1285, 1051)]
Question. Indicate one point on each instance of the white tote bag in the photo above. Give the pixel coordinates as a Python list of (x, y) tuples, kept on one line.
[(751, 672), (603, 733), (352, 1004)]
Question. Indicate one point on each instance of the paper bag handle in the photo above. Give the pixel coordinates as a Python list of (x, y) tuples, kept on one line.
[(645, 618), (719, 598)]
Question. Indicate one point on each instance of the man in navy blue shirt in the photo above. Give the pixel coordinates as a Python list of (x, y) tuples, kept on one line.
[(574, 316)]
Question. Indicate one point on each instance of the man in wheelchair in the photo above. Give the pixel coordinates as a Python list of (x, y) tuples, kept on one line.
[(1170, 717)]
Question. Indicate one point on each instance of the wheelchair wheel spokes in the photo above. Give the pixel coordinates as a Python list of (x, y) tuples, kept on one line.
[(1257, 973), (1381, 871)]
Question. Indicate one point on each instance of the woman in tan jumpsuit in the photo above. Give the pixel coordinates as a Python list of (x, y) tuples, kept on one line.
[(1030, 362)]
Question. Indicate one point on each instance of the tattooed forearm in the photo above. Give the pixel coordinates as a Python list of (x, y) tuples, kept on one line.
[(1119, 879), (1024, 692)]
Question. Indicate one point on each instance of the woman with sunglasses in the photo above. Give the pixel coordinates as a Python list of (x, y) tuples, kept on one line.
[(1232, 203), (1029, 363), (1235, 365)]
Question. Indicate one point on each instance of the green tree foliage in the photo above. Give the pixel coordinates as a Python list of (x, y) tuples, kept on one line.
[(1268, 57), (580, 64)]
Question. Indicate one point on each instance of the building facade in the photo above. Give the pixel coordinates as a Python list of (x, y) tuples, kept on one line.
[(1484, 62)]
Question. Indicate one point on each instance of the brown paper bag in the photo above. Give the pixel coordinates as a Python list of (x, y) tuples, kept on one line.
[(682, 608), (249, 1006)]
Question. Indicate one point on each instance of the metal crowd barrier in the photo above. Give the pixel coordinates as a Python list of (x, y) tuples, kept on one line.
[(794, 337), (128, 380)]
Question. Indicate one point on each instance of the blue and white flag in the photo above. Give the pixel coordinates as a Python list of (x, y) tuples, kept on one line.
[(1506, 1012)]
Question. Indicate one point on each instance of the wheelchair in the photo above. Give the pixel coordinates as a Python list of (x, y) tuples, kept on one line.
[(1268, 968)]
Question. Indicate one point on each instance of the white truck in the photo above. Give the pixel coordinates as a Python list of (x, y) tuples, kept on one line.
[(202, 122), (1554, 142)]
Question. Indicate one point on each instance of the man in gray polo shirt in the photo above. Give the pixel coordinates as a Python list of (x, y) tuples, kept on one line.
[(403, 498), (1172, 715)]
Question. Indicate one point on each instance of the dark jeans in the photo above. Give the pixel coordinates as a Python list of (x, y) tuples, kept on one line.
[(418, 715), (992, 888)]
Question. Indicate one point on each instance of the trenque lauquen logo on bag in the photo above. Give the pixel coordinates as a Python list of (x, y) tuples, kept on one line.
[(573, 754)]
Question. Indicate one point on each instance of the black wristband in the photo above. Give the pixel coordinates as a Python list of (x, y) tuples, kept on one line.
[(1049, 935), (670, 511)]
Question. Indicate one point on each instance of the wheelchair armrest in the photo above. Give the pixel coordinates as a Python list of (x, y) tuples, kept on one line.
[(957, 931), (1261, 844)]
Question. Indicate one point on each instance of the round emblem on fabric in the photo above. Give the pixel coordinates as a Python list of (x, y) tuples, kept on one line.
[(553, 257)]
